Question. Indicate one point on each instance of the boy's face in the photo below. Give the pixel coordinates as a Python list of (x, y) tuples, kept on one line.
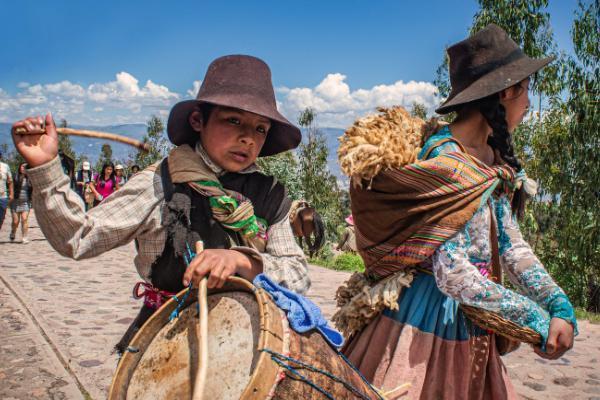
[(232, 138)]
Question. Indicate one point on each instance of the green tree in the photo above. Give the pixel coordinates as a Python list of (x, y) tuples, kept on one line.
[(64, 142), (418, 110), (442, 79), (318, 183), (11, 157), (564, 155), (284, 167), (159, 145), (105, 156)]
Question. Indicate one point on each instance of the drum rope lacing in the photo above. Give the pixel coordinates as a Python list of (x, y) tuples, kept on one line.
[(281, 359)]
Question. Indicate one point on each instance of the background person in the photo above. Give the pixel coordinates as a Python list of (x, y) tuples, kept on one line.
[(21, 204), (105, 183), (6, 189)]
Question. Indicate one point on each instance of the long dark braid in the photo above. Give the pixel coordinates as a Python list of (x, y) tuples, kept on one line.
[(500, 139)]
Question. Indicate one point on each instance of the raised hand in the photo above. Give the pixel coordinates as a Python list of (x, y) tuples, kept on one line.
[(36, 144)]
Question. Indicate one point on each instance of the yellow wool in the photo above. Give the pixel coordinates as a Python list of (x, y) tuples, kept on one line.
[(389, 139)]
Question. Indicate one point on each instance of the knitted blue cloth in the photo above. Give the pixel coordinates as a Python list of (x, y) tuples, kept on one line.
[(303, 315)]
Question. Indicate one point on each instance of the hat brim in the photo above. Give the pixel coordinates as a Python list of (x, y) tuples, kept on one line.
[(494, 82), (282, 136)]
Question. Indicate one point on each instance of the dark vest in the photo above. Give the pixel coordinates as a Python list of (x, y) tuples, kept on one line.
[(187, 217)]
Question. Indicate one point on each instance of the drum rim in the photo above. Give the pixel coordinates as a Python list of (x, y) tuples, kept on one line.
[(258, 387)]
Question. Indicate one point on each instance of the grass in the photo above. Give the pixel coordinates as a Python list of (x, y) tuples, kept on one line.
[(580, 313), (344, 262)]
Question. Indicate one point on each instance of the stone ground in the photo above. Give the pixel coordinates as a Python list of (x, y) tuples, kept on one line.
[(60, 318)]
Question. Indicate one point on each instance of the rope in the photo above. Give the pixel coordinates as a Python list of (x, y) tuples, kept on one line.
[(181, 302), (303, 378), (361, 375), (279, 358)]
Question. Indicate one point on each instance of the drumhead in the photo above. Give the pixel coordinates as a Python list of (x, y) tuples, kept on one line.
[(168, 366)]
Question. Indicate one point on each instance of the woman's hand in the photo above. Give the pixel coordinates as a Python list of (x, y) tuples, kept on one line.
[(38, 146), (219, 265), (560, 340)]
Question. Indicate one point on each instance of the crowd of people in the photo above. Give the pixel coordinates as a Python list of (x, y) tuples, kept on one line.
[(93, 187)]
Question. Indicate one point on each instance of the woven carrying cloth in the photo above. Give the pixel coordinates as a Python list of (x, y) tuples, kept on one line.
[(405, 208), (407, 213)]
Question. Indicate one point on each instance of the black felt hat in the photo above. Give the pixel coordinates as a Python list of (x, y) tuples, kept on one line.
[(486, 63)]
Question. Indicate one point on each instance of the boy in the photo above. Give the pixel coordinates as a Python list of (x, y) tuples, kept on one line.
[(208, 188)]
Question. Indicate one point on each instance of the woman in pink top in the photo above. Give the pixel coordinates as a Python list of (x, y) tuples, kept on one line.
[(105, 183)]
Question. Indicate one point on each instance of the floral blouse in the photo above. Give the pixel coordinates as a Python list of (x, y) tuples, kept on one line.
[(461, 265)]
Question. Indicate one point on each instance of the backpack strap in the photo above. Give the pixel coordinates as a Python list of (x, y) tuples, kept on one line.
[(165, 177)]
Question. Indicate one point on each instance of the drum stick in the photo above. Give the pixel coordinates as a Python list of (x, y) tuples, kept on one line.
[(93, 134), (200, 382)]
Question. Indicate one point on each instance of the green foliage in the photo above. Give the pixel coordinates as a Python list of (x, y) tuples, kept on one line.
[(11, 157), (442, 78), (284, 167), (64, 142), (582, 314), (317, 182), (349, 262), (159, 144), (343, 262), (562, 152), (105, 156), (418, 110)]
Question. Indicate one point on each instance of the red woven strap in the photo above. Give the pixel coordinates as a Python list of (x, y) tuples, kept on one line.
[(153, 297)]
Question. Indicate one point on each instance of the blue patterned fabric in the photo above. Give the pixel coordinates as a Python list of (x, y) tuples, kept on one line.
[(424, 306)]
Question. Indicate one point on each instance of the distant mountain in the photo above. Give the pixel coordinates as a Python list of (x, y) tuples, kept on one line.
[(91, 147)]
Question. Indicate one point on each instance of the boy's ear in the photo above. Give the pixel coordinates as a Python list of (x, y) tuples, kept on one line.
[(196, 121)]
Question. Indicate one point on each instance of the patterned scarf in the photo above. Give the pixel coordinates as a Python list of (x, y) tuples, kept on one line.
[(231, 209), (404, 214)]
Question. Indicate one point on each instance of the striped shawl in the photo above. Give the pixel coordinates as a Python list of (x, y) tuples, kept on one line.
[(404, 214)]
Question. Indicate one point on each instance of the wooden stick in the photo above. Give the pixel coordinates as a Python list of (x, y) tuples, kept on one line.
[(93, 134), (200, 381)]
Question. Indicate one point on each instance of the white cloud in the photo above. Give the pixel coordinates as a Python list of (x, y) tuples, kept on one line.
[(65, 88), (193, 92), (338, 106), (124, 100), (126, 88)]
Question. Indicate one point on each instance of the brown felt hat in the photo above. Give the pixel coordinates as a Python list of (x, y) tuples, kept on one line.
[(242, 82), (486, 63)]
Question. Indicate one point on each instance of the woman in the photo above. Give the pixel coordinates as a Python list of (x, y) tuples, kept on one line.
[(105, 183), (21, 204), (461, 243)]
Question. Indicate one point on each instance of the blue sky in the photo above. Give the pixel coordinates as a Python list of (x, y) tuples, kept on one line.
[(64, 56)]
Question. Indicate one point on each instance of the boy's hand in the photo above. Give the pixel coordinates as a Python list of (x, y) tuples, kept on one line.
[(218, 265), (38, 146), (560, 340)]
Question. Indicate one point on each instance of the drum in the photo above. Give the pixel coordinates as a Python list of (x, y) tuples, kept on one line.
[(252, 353)]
